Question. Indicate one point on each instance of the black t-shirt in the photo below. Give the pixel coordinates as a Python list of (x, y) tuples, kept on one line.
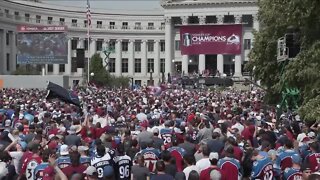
[(171, 169)]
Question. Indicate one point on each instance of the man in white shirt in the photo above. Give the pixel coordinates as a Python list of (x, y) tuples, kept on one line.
[(204, 162)]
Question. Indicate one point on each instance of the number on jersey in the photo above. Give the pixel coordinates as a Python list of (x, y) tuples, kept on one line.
[(166, 139), (268, 175), (100, 172), (124, 171)]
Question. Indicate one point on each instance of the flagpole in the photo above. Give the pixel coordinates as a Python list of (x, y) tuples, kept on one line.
[(88, 14)]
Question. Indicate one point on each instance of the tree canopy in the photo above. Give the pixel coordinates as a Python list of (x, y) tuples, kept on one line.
[(102, 77), (303, 73)]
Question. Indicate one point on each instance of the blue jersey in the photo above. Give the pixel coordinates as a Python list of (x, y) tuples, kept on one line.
[(166, 135), (284, 160), (151, 156), (63, 161), (85, 160), (38, 171), (262, 169), (103, 164), (292, 174)]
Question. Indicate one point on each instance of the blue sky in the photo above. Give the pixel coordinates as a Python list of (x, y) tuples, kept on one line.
[(110, 4)]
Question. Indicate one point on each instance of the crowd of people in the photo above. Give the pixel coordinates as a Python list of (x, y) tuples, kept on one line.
[(178, 134)]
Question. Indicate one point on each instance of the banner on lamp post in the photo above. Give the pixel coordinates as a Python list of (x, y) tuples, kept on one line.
[(211, 39)]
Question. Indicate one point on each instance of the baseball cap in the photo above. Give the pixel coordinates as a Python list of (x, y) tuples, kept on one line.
[(214, 155), (64, 150), (296, 159), (7, 123), (311, 135), (90, 171)]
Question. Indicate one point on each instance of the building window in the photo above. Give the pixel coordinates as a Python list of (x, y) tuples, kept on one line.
[(61, 68), (112, 44), (124, 45), (50, 20), (247, 20), (85, 44), (74, 43), (50, 67), (38, 19), (162, 25), (112, 65), (177, 45), (7, 38), (150, 46), (124, 65), (162, 65), (16, 15), (137, 46), (6, 11), (137, 25), (228, 19), (150, 25), (74, 22), (211, 19), (124, 25), (162, 46), (112, 25), (85, 22), (8, 62), (137, 82), (247, 44), (74, 64), (61, 21), (99, 24), (150, 65), (99, 44), (27, 17), (137, 65)]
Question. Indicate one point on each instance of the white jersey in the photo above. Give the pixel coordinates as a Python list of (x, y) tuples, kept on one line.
[(30, 169), (101, 162)]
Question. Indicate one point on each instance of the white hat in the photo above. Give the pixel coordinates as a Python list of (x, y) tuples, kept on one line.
[(311, 135), (72, 130), (7, 123), (214, 155), (64, 150), (83, 148)]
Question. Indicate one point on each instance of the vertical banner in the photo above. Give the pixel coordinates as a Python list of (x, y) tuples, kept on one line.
[(211, 39)]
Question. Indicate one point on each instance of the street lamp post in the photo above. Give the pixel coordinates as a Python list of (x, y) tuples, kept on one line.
[(132, 83)]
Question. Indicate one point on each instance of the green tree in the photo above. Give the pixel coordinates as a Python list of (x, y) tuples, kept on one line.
[(275, 16), (102, 77)]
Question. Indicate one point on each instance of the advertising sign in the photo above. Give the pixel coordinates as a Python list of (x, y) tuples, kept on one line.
[(211, 39)]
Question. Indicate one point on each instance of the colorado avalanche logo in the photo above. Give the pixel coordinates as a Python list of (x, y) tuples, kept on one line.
[(233, 39)]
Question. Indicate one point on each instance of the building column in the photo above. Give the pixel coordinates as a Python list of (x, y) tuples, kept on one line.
[(185, 64), (118, 57), (168, 45), (202, 57), (220, 59), (202, 63), (13, 57), (144, 58), (4, 53), (80, 45), (255, 22), (157, 58), (237, 64), (93, 47), (220, 63), (68, 66), (131, 58)]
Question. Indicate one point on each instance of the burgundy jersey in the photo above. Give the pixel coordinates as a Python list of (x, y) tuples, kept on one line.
[(314, 161)]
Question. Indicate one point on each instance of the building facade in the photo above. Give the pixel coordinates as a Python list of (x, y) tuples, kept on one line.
[(146, 43)]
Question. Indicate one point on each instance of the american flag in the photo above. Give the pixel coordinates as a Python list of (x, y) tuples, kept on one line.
[(88, 15)]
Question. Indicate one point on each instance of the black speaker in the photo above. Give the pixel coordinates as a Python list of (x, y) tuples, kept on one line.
[(80, 58)]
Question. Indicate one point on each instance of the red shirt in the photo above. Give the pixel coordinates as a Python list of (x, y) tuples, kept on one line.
[(29, 165), (314, 161), (205, 174), (237, 153), (70, 170)]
